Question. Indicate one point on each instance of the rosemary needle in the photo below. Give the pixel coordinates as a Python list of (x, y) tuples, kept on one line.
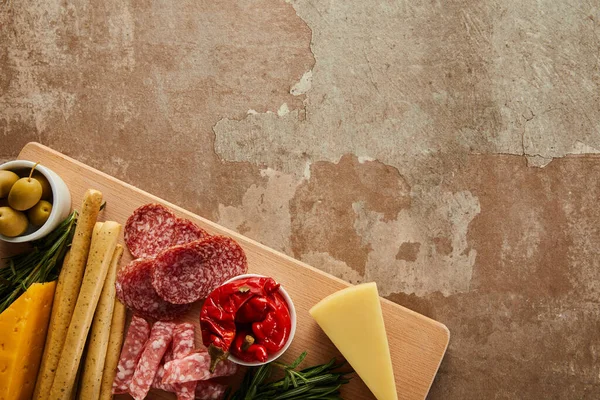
[(40, 264), (319, 382)]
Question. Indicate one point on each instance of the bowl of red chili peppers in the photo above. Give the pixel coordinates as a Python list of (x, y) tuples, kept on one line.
[(250, 319)]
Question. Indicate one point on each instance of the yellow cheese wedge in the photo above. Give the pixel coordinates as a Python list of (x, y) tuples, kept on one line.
[(22, 334), (353, 320)]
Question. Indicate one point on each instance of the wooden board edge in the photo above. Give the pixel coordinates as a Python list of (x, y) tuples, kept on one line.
[(446, 333)]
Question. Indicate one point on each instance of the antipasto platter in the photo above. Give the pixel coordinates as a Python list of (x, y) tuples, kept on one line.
[(194, 310)]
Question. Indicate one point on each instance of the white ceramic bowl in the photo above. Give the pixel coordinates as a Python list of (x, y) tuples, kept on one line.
[(61, 201), (292, 309)]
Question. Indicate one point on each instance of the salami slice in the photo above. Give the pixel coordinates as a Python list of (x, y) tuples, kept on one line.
[(154, 350), (183, 340), (207, 390), (183, 344), (187, 273), (137, 335), (134, 289), (158, 378), (195, 367), (186, 231), (153, 228), (149, 230), (160, 373)]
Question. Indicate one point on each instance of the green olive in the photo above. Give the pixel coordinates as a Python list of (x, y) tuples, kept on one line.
[(12, 223), (24, 194), (46, 190), (38, 214), (7, 179)]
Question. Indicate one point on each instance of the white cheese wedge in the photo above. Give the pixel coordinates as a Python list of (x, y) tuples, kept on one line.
[(353, 320)]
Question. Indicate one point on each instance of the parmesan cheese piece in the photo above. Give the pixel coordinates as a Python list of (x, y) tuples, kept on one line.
[(353, 320)]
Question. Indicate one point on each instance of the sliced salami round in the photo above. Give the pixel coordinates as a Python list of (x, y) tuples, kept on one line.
[(153, 227), (207, 390), (157, 383), (196, 367), (148, 230), (160, 373), (186, 231), (183, 344), (137, 335), (183, 339), (187, 273), (154, 350), (134, 289)]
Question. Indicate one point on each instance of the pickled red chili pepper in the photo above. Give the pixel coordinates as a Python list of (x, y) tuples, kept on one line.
[(247, 317)]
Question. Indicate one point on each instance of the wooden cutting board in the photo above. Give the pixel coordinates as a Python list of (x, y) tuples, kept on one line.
[(417, 343)]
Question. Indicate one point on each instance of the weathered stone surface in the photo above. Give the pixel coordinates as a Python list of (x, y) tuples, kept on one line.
[(444, 150), (135, 88)]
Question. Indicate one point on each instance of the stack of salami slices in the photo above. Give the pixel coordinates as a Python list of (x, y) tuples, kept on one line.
[(176, 263), (163, 357)]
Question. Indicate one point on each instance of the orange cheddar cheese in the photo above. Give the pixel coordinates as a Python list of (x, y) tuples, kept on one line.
[(23, 329)]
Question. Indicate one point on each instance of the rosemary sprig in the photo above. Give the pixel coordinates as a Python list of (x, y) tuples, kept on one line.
[(40, 264), (319, 382)]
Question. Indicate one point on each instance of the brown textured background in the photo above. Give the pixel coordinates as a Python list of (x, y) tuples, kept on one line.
[(446, 150)]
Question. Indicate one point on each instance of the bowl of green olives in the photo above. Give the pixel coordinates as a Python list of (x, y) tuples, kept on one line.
[(33, 201)]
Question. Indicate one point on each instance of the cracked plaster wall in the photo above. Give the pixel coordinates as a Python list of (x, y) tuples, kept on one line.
[(411, 143), (384, 89)]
